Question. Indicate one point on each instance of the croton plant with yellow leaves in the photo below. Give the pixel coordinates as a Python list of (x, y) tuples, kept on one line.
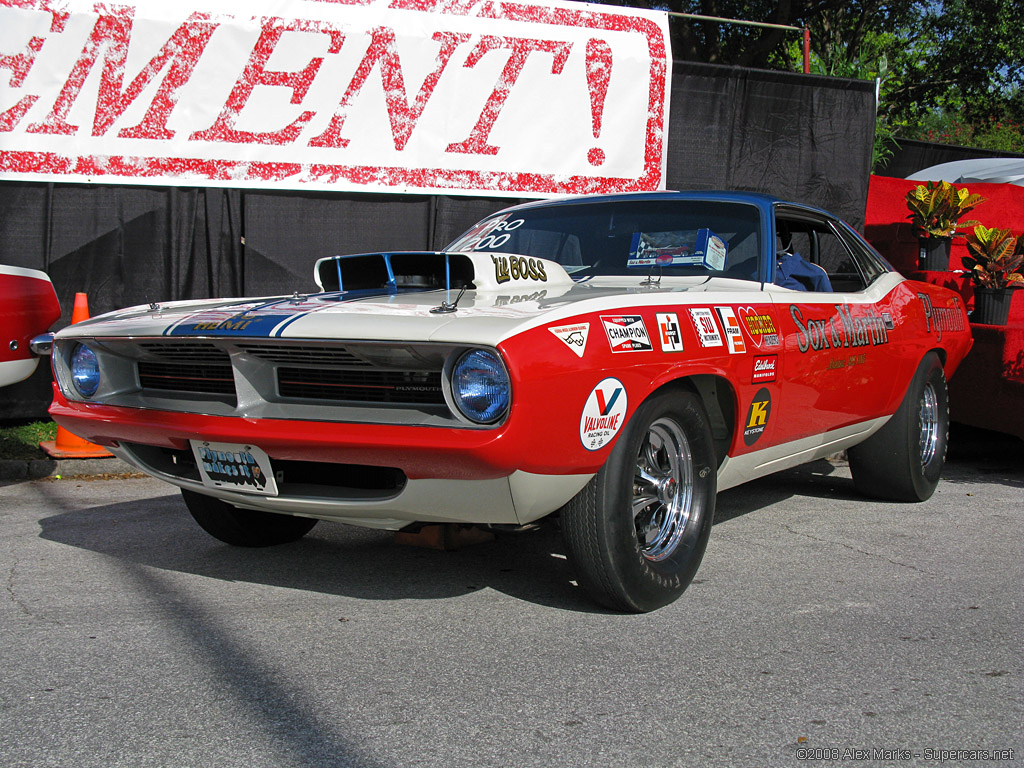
[(995, 257), (936, 209)]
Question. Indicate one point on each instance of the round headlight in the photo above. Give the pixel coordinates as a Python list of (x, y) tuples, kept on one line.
[(85, 370), (481, 386)]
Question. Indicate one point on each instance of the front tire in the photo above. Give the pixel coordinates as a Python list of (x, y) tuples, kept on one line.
[(904, 459), (244, 527), (637, 532)]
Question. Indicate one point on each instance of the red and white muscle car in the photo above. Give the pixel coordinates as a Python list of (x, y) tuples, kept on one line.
[(28, 307), (616, 360)]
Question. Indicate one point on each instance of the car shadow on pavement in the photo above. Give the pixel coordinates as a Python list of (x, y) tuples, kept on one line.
[(332, 559), (824, 479)]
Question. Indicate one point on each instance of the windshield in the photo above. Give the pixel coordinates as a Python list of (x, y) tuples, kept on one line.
[(670, 237)]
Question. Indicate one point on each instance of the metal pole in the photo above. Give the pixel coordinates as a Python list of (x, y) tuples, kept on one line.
[(743, 23)]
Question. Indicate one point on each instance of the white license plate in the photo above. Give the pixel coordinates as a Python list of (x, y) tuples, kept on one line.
[(235, 467)]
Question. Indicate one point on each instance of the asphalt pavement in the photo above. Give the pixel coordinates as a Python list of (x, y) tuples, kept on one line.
[(822, 628)]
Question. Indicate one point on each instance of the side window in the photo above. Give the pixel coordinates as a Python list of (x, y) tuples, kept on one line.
[(826, 249), (838, 262)]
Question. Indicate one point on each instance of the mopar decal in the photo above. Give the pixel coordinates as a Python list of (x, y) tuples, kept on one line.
[(626, 333), (518, 268), (939, 319), (760, 327), (757, 416), (603, 414), (669, 333), (573, 336), (840, 330)]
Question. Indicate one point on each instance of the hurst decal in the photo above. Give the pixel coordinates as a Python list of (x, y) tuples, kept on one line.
[(603, 414), (759, 327), (733, 334), (707, 328), (573, 336), (669, 333), (627, 333), (939, 319), (757, 416), (841, 330), (765, 368)]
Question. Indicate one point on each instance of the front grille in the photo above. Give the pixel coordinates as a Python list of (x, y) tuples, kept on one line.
[(195, 377), (298, 354), (365, 386), (188, 352)]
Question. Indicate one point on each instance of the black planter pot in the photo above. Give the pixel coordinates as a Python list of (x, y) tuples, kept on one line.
[(933, 253), (992, 305)]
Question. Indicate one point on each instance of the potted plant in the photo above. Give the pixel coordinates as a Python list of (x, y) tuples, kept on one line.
[(935, 212), (994, 258)]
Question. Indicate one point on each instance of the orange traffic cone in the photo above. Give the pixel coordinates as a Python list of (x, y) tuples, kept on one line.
[(69, 445)]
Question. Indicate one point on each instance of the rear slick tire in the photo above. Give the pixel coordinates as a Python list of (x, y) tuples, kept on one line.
[(637, 532), (904, 459), (244, 527)]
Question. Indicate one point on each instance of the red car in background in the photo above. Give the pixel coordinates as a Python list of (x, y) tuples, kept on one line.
[(28, 307)]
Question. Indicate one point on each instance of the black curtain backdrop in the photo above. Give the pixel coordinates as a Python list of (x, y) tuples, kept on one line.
[(913, 156), (801, 137)]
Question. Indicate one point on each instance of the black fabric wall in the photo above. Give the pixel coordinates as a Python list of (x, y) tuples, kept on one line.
[(913, 156), (800, 137)]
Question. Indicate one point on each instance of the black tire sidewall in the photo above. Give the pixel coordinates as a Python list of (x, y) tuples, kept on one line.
[(927, 475), (647, 584), (244, 527)]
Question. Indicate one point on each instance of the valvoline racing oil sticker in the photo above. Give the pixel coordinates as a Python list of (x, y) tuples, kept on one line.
[(603, 414)]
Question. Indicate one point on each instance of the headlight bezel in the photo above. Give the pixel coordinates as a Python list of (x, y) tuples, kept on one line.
[(457, 391), (91, 378)]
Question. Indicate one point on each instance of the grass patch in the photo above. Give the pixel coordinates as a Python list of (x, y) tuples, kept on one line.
[(21, 441)]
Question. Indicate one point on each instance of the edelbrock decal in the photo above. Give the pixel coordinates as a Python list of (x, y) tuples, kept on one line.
[(626, 333), (765, 368), (603, 414), (573, 336), (707, 328), (669, 333)]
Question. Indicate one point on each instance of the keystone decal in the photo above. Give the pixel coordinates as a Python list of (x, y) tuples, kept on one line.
[(757, 416), (346, 95), (841, 330), (573, 336), (627, 333), (603, 414)]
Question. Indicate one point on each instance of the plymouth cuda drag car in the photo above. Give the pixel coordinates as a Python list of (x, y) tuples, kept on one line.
[(616, 360)]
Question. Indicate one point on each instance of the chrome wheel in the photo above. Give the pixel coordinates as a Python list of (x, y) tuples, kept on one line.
[(930, 424), (662, 489)]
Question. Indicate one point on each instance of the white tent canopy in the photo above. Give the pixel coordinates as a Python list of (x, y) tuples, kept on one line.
[(988, 170)]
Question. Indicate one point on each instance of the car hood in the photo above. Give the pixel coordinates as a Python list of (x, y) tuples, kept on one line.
[(485, 314)]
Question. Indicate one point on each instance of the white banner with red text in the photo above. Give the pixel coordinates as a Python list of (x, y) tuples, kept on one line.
[(523, 98)]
